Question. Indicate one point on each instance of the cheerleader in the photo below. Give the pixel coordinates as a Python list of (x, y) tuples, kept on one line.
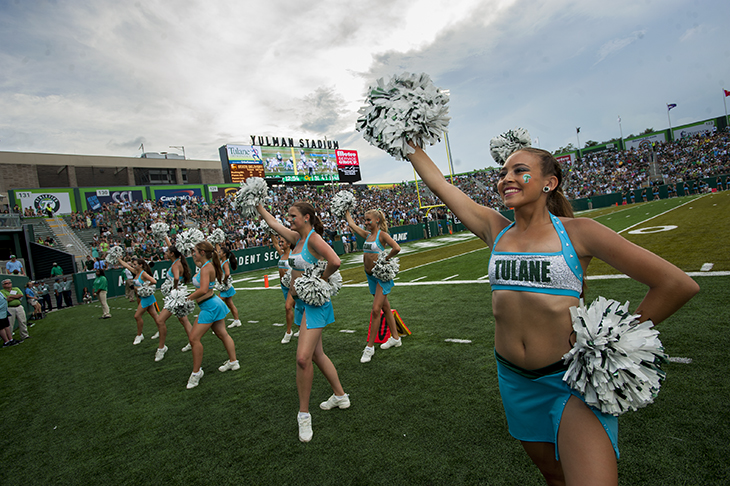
[(283, 248), (536, 273), (213, 311), (376, 238), (228, 263), (178, 274), (308, 247), (143, 275)]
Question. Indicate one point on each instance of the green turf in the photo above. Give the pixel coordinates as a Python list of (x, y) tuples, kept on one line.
[(84, 406)]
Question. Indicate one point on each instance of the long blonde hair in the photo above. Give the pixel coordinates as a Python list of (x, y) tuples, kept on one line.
[(383, 223)]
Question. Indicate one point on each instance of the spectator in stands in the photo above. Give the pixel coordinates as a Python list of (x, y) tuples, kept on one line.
[(100, 264), (89, 263), (16, 310), (14, 266), (56, 270)]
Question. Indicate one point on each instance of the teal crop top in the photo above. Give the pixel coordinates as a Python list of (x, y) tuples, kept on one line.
[(373, 246), (558, 273), (304, 259), (196, 278)]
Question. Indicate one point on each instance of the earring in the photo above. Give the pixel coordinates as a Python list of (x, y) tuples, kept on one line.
[(546, 189)]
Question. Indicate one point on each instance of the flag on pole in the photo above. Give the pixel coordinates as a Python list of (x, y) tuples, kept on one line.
[(671, 105), (727, 93), (619, 118), (577, 129)]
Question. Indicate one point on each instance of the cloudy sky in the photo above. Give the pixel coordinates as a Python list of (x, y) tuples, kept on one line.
[(102, 77)]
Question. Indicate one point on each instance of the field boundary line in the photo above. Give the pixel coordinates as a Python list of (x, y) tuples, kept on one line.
[(665, 212)]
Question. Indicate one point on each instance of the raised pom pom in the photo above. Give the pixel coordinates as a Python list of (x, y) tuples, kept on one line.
[(114, 254), (177, 302), (146, 290), (186, 240), (385, 269), (341, 203), (502, 146), (408, 108), (265, 228), (615, 361), (159, 230), (217, 237), (253, 192)]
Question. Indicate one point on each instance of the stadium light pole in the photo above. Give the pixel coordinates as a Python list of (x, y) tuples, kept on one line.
[(179, 147), (620, 130)]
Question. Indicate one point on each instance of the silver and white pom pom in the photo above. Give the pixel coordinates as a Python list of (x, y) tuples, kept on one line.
[(312, 289), (114, 254), (406, 108), (159, 230), (146, 290), (615, 362), (177, 302), (217, 237), (253, 192), (265, 228), (504, 145), (186, 240), (341, 203), (166, 287), (385, 269), (286, 279), (227, 284)]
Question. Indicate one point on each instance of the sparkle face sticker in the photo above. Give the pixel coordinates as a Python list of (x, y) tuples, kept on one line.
[(526, 178)]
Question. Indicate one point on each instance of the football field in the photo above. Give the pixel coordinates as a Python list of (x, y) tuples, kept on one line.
[(84, 406)]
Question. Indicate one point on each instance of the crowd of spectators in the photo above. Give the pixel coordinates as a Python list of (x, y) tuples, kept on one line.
[(128, 224)]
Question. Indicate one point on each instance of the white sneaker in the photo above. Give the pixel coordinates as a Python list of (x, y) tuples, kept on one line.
[(334, 401), (367, 354), (235, 323), (155, 335), (160, 353), (187, 347), (305, 427), (287, 338), (195, 379), (296, 334), (229, 365), (138, 339), (390, 343)]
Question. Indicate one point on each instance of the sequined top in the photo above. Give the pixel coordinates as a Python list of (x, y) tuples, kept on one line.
[(304, 259), (196, 278), (558, 273), (373, 246)]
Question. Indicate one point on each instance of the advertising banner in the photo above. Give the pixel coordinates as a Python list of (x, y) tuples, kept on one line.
[(645, 142), (94, 199), (348, 165), (706, 128), (58, 201), (173, 194), (221, 191)]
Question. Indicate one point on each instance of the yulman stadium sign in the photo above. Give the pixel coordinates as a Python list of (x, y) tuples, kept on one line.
[(289, 142)]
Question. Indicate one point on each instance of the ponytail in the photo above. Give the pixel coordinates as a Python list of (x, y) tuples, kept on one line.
[(212, 255), (383, 223), (307, 209)]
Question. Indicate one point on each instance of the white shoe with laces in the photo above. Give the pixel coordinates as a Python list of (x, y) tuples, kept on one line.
[(287, 338), (155, 335), (187, 347), (367, 354), (194, 379), (296, 334), (229, 365), (391, 343), (305, 427), (235, 323), (138, 339), (160, 353), (336, 402)]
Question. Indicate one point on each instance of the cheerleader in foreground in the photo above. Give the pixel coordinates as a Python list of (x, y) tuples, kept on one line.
[(143, 278), (283, 248), (212, 311), (308, 247), (376, 238)]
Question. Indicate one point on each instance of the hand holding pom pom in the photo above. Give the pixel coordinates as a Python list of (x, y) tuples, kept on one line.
[(217, 237), (253, 192), (502, 146), (159, 230), (222, 287), (615, 361), (312, 289), (187, 240), (286, 279), (385, 269), (114, 254), (146, 290), (166, 287), (178, 303), (409, 108), (341, 203)]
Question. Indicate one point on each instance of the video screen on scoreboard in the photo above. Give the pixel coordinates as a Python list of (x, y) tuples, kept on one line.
[(299, 164)]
